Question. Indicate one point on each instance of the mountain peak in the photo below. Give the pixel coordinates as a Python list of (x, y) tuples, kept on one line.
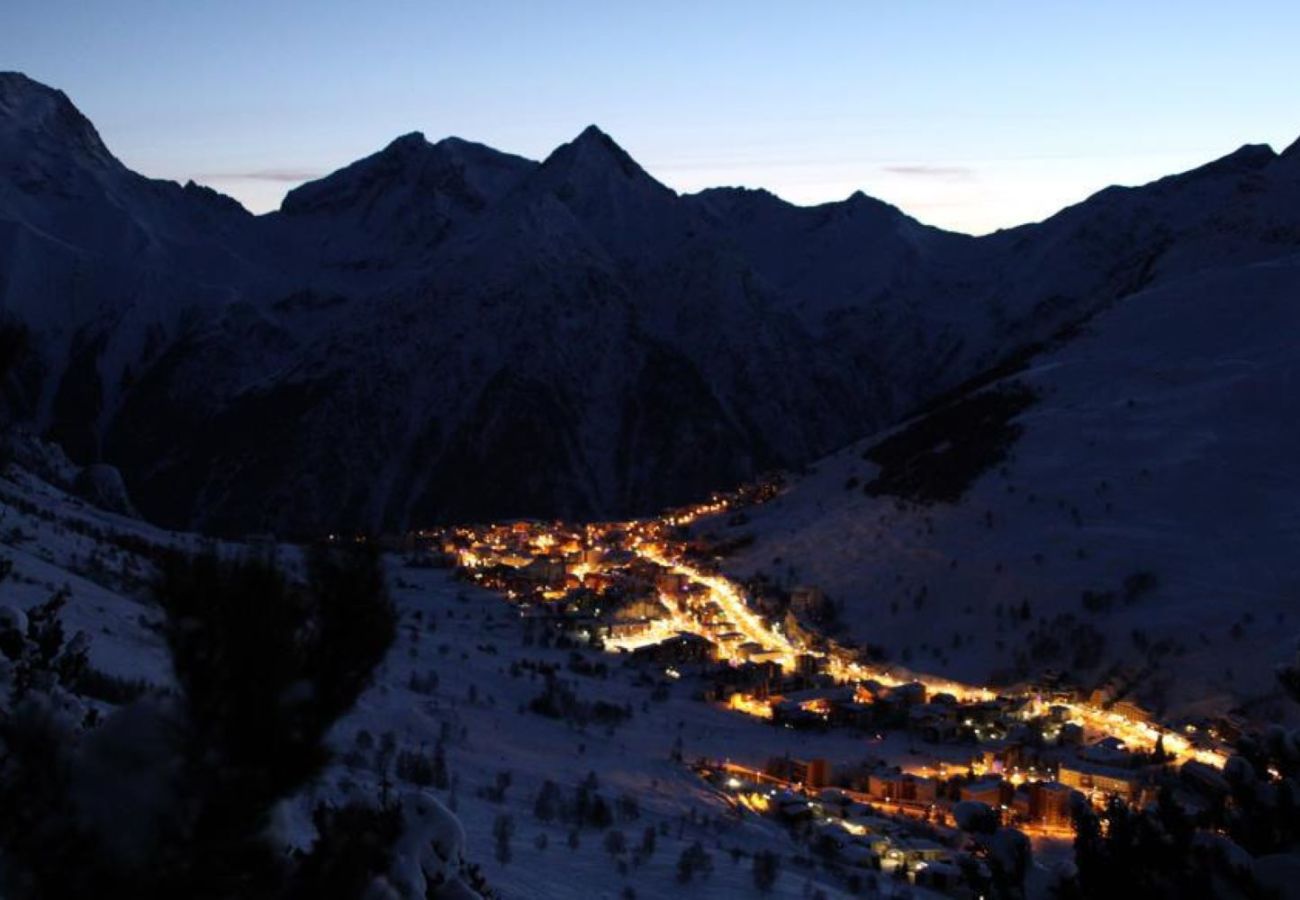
[(410, 178), (451, 142), (593, 132), (593, 150), (409, 141), (1246, 158), (46, 114), (213, 199), (396, 164), (862, 202)]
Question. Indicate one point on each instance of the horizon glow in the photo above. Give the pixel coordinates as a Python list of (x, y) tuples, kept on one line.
[(967, 116)]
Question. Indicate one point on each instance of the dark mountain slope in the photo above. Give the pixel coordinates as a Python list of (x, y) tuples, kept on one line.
[(444, 331)]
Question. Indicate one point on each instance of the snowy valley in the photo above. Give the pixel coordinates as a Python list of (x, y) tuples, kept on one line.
[(477, 526)]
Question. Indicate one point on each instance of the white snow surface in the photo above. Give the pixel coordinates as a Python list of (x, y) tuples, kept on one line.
[(1172, 425), (468, 638)]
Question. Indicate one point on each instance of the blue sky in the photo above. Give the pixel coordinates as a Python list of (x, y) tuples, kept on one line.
[(969, 115)]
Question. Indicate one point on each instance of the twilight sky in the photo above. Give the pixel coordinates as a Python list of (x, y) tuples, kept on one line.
[(968, 115)]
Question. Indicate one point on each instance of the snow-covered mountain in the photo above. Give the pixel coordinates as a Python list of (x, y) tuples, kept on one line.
[(443, 331), (1120, 506)]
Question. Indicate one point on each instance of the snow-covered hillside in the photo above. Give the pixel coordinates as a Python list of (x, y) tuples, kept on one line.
[(1142, 523), (445, 332), (455, 685)]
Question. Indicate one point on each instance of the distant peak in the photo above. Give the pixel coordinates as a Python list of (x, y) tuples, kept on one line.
[(1252, 154), (13, 84), (415, 143), (860, 201), (410, 165), (594, 133), (1292, 151), (410, 140), (592, 139), (593, 150), (46, 112), (1247, 158), (213, 198)]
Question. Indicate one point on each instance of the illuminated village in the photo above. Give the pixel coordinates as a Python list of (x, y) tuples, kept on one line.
[(650, 591), (537, 451)]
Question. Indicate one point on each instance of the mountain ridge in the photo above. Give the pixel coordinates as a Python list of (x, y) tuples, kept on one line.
[(444, 331)]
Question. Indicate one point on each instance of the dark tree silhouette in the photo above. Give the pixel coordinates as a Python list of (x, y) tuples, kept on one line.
[(264, 666)]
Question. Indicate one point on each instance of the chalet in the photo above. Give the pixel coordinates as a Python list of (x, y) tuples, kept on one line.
[(1098, 781), (752, 675), (985, 712), (811, 773), (849, 712), (808, 664), (794, 714), (671, 583), (1049, 803), (545, 570), (893, 703), (1109, 751), (681, 649), (900, 787), (908, 694), (1004, 755), (1130, 710), (627, 628), (921, 790), (640, 608), (910, 853), (990, 791), (934, 722)]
